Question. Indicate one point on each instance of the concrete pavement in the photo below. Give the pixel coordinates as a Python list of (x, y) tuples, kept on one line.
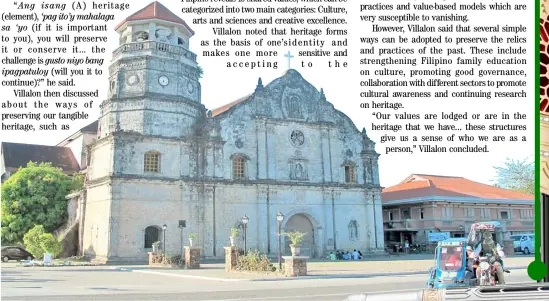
[(104, 283), (317, 270)]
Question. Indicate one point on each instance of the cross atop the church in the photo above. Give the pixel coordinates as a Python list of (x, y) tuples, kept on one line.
[(289, 56)]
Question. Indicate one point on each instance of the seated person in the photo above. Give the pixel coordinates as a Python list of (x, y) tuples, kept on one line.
[(455, 260), (470, 270), (360, 255), (338, 255), (355, 255), (346, 256), (332, 256)]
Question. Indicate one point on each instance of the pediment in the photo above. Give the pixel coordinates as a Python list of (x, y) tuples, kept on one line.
[(292, 97)]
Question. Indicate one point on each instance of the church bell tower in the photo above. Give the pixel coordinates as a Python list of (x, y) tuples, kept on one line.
[(153, 77)]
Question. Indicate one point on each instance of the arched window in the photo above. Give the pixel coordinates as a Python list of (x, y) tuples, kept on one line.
[(350, 174), (239, 168), (152, 161), (180, 41), (152, 235)]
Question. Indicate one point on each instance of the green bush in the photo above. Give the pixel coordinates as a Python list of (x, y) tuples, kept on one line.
[(295, 237), (35, 195), (50, 244), (32, 241), (38, 242), (254, 261)]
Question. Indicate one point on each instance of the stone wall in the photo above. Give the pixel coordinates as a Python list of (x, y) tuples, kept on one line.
[(209, 215), (192, 258), (295, 266)]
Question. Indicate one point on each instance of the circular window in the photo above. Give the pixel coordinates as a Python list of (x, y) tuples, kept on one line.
[(297, 138)]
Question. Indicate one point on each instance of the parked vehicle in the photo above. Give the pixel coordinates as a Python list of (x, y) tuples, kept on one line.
[(523, 243), (15, 253)]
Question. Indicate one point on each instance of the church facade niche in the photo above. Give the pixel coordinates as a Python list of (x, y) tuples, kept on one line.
[(353, 230), (293, 106), (298, 167)]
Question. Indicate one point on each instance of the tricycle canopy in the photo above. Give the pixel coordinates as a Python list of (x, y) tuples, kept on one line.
[(485, 228)]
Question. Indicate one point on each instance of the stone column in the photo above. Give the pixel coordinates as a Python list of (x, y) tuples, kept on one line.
[(192, 258), (231, 255), (295, 266)]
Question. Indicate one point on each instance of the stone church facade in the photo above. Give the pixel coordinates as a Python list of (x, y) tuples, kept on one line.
[(160, 157)]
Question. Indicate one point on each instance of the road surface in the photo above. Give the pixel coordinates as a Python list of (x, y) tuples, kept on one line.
[(104, 283)]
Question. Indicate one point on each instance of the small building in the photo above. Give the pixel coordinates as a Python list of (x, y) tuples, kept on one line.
[(423, 204), (14, 156)]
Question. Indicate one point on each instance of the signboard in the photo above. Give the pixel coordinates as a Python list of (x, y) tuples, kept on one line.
[(438, 236)]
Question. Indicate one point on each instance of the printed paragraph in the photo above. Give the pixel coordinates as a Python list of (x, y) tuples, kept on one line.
[(51, 55), (435, 74), (249, 34)]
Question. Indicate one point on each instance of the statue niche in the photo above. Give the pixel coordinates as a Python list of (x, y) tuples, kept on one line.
[(293, 107), (353, 230), (298, 167)]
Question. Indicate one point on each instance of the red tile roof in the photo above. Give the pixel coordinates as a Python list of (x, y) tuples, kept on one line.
[(17, 155), (222, 109), (155, 10), (417, 186)]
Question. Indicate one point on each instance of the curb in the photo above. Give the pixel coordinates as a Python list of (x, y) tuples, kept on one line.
[(312, 277)]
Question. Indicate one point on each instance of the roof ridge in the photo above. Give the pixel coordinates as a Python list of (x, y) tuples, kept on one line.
[(438, 176)]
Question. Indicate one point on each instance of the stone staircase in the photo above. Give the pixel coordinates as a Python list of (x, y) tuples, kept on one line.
[(68, 235)]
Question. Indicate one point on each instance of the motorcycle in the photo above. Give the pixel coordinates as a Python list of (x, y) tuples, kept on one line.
[(486, 272)]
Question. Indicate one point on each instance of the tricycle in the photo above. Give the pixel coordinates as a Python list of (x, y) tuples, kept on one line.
[(485, 262), (451, 269)]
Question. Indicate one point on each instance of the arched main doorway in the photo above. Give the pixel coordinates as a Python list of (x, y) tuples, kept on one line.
[(301, 223)]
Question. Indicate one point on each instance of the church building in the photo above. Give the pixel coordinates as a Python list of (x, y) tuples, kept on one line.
[(161, 159)]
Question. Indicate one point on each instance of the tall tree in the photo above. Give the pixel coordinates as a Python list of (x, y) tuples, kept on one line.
[(518, 175), (35, 195)]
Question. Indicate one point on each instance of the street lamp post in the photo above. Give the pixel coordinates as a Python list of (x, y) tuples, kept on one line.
[(279, 219), (245, 220), (462, 228), (164, 227)]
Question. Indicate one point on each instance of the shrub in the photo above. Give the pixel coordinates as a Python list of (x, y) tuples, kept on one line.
[(175, 261), (234, 232), (32, 241), (254, 261), (50, 244), (192, 235), (35, 195), (295, 237)]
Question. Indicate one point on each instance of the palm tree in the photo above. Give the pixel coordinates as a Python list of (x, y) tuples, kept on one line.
[(200, 71)]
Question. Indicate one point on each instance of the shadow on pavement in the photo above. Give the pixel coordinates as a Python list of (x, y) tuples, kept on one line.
[(16, 279), (109, 289)]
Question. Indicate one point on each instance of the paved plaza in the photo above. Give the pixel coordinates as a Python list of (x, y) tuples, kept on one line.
[(328, 281)]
